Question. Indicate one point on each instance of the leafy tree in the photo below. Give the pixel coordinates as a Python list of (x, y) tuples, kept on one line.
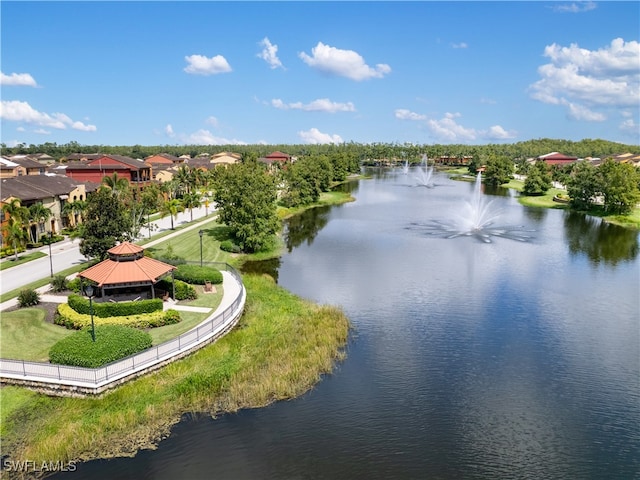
[(171, 207), (498, 170), (246, 199), (538, 180), (583, 185), (302, 183), (619, 186), (106, 222)]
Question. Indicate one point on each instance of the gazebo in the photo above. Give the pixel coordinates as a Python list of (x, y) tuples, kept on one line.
[(127, 274)]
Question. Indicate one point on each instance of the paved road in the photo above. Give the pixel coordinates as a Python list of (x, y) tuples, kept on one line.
[(67, 254)]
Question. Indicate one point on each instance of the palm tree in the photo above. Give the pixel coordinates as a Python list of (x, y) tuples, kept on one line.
[(119, 185), (185, 179), (191, 201), (171, 207), (15, 234), (38, 214)]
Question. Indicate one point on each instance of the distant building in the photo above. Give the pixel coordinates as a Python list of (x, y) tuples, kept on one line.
[(94, 169), (556, 158)]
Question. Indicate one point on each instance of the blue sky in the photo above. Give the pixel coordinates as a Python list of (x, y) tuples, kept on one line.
[(175, 73)]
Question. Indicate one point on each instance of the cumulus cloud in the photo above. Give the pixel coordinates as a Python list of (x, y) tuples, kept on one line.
[(575, 7), (205, 137), (168, 130), (213, 121), (459, 45), (201, 65), (629, 126), (404, 114), (269, 54), (315, 136), (17, 79), (496, 132), (584, 80), (17, 111), (319, 105), (344, 63), (447, 129)]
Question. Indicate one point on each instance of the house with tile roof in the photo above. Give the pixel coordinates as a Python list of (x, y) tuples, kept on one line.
[(53, 191), (136, 171), (556, 158)]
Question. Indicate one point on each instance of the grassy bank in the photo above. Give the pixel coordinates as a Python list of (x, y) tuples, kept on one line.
[(281, 348), (632, 220), (326, 198)]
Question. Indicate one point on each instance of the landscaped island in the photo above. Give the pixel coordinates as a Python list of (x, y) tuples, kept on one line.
[(279, 350)]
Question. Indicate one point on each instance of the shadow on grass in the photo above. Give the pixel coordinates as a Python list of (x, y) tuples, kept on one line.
[(219, 233)]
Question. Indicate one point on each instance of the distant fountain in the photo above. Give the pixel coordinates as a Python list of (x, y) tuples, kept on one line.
[(405, 167), (425, 173), (476, 220)]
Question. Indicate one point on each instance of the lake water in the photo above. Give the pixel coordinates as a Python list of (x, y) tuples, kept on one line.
[(468, 360)]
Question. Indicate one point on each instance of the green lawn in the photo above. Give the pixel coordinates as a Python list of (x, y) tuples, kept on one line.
[(187, 245), (22, 258), (26, 336)]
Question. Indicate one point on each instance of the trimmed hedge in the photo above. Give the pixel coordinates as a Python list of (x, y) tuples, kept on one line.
[(113, 342), (109, 309), (69, 318), (195, 274)]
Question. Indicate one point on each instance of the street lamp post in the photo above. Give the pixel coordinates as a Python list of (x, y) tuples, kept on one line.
[(90, 293), (201, 232), (50, 258)]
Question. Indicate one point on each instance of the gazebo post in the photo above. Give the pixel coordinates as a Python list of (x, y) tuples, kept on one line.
[(153, 291)]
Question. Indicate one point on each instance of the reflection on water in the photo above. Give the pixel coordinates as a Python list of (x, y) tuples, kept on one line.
[(598, 240), (304, 227)]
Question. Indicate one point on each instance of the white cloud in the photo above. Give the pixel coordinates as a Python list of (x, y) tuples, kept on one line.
[(213, 121), (205, 137), (404, 114), (575, 7), (631, 127), (18, 79), (269, 53), (168, 130), (580, 112), (201, 65), (315, 136), (42, 131), (584, 80), (345, 63), (459, 45), (319, 105), (496, 132), (447, 129), (17, 111)]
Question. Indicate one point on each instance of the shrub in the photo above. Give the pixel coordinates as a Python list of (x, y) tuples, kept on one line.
[(229, 246), (74, 285), (113, 342), (69, 318), (184, 291), (59, 283), (195, 274), (28, 298), (81, 305)]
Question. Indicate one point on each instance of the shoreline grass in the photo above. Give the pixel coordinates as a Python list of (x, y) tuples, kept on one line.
[(280, 349)]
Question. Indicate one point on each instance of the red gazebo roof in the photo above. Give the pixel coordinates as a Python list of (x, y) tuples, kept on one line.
[(131, 267)]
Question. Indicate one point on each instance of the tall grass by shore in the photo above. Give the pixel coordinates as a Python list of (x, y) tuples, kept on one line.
[(281, 347)]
